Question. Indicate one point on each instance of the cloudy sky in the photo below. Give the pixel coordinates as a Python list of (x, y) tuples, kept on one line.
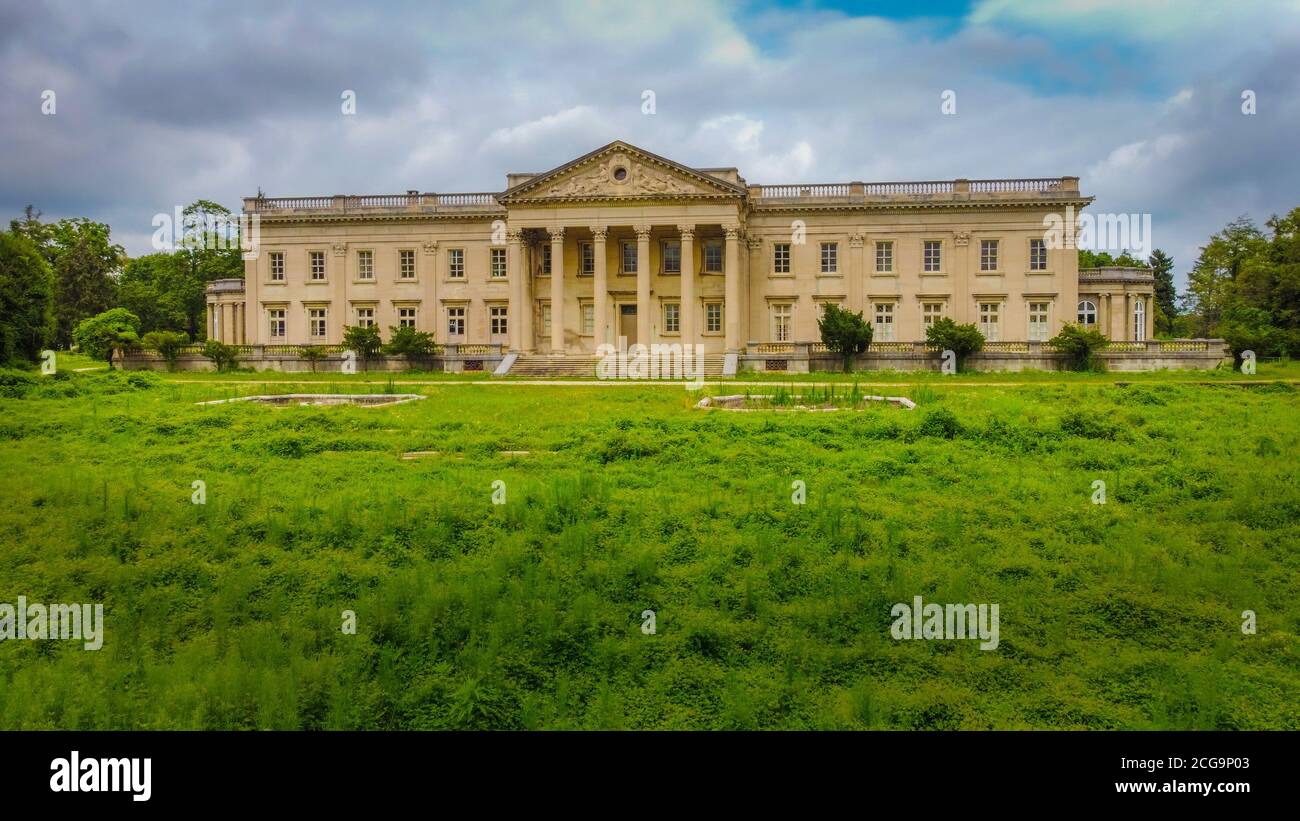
[(170, 102)]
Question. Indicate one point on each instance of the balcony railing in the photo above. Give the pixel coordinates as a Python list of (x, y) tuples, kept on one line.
[(957, 190), (347, 203)]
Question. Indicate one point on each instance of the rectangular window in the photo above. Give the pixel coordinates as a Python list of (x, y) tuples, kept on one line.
[(455, 263), (455, 321), (884, 331), (830, 257), (932, 255), (587, 259), (317, 259), (406, 264), (780, 257), (497, 320), (989, 325), (588, 318), (628, 251), (365, 264), (406, 317), (781, 322), (672, 254), (672, 318), (1037, 255), (277, 266), (988, 255), (276, 316), (713, 317), (498, 261), (713, 256), (546, 319), (366, 317), (546, 260), (884, 257), (930, 311), (1038, 321), (316, 322)]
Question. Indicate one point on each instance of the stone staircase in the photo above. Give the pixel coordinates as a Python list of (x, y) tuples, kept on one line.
[(575, 366)]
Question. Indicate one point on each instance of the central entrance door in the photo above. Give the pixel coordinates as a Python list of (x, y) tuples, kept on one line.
[(627, 323)]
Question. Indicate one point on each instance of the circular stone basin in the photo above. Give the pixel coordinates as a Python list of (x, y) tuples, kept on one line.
[(367, 400), (762, 402)]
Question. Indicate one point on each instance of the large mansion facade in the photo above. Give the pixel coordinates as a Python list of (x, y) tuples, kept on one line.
[(624, 243)]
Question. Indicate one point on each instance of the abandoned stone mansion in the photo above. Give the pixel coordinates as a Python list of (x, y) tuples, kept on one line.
[(624, 243)]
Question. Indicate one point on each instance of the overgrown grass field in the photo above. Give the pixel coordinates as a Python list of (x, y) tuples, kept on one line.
[(769, 614)]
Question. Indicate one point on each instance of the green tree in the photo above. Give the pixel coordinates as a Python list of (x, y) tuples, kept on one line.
[(364, 340), (168, 344), (156, 288), (410, 343), (26, 300), (844, 333), (313, 354), (84, 260), (207, 250), (1162, 267), (1102, 259), (1079, 344), (1212, 286), (224, 356), (962, 340), (100, 335)]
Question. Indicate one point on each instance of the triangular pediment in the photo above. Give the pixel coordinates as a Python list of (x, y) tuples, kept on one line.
[(620, 171)]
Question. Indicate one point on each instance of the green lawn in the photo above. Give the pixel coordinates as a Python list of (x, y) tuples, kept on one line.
[(769, 614)]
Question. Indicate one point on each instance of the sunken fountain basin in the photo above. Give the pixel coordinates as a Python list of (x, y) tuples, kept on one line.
[(365, 400), (744, 403)]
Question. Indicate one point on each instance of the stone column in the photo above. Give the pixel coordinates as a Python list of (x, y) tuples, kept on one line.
[(643, 284), (600, 295), (557, 291), (687, 310), (732, 309), (527, 339), (1103, 307), (514, 270)]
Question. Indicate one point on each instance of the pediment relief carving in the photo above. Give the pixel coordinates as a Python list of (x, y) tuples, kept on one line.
[(620, 175)]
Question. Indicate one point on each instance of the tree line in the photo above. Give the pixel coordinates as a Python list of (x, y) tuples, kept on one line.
[(55, 277)]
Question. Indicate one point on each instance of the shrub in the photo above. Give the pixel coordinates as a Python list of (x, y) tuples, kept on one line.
[(844, 333), (1079, 344), (100, 335), (222, 355), (962, 340), (313, 354), (410, 343), (941, 423), (168, 344), (364, 340)]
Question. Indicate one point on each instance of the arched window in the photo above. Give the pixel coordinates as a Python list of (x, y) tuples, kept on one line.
[(1139, 320), (1087, 312)]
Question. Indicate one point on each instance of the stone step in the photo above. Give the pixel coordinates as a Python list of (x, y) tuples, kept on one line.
[(584, 367)]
